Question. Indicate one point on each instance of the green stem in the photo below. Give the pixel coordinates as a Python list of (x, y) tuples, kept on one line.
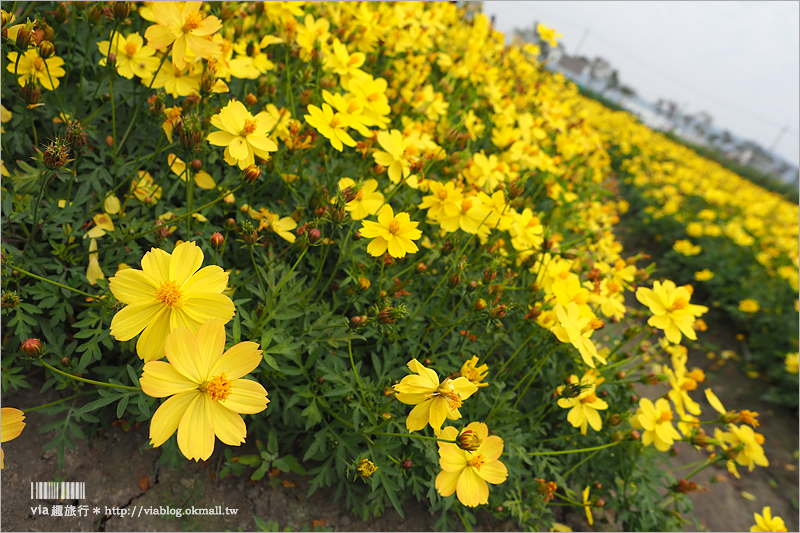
[(338, 262), (44, 177), (31, 409), (423, 437), (91, 381), (258, 272), (353, 364), (57, 284), (114, 122), (141, 102), (568, 472), (563, 452)]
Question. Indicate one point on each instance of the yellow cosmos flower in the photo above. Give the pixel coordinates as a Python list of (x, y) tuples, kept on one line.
[(576, 330), (393, 157), (134, 58), (434, 401), (656, 420), (792, 363), (390, 232), (687, 248), (766, 522), (583, 403), (143, 187), (587, 505), (243, 135), (31, 64), (182, 28), (752, 453), (749, 306), (703, 275), (444, 200), (467, 473), (549, 36), (367, 200), (330, 125), (202, 178), (205, 389), (470, 217), (11, 425), (274, 223), (473, 372), (671, 309), (170, 291)]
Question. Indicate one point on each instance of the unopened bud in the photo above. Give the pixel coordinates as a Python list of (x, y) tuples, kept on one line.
[(621, 374), (454, 281), (614, 420), (357, 321), (32, 347), (231, 224), (488, 275), (251, 99), (31, 91), (6, 17), (480, 305), (314, 235), (197, 165), (111, 59), (217, 240), (121, 10), (363, 284), (24, 38), (634, 435), (338, 215), (420, 268), (469, 440), (65, 361), (600, 502), (472, 286), (617, 436), (46, 49), (406, 465), (498, 311), (252, 173)]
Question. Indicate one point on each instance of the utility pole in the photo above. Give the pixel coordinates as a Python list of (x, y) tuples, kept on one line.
[(775, 142), (585, 34)]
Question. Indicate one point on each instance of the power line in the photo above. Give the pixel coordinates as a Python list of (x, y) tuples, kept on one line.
[(538, 12)]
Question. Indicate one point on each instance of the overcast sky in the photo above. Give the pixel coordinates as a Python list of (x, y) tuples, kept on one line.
[(740, 61)]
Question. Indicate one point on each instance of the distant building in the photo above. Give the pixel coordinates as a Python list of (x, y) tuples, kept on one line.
[(575, 68)]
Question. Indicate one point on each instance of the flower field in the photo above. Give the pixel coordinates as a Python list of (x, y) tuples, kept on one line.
[(383, 245)]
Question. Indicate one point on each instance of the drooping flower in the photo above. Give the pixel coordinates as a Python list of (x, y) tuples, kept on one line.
[(765, 521), (274, 223), (143, 188), (393, 233), (11, 425), (587, 505), (752, 453), (201, 178), (576, 330), (656, 420), (205, 388), (393, 157), (467, 472), (671, 309), (243, 135), (183, 28), (434, 401), (170, 291), (332, 126)]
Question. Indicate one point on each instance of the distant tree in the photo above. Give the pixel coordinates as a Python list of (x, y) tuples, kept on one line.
[(599, 69), (612, 82), (627, 91)]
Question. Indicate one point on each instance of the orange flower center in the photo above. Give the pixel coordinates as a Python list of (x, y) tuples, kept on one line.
[(219, 388), (130, 48), (352, 107), (249, 127), (352, 62), (445, 391), (579, 298), (678, 304), (612, 287), (169, 293), (394, 226), (373, 97), (466, 205), (589, 398), (665, 416), (533, 222), (38, 63), (689, 384), (477, 461), (442, 194), (619, 264), (335, 121), (193, 21)]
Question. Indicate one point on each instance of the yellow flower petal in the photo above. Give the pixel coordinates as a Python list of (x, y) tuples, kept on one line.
[(167, 417), (196, 430), (472, 490), (11, 423), (160, 379), (238, 361), (131, 320), (183, 354), (228, 426), (248, 397)]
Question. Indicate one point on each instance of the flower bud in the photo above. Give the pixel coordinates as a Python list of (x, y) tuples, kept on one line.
[(190, 132), (600, 503), (480, 305), (621, 374), (420, 268), (31, 91), (468, 440), (217, 240), (231, 224), (32, 347), (46, 49), (314, 235), (617, 436), (111, 59), (338, 215), (24, 37), (357, 321), (6, 17), (363, 284), (197, 165), (76, 135), (95, 13), (634, 435), (472, 286), (406, 465), (488, 275), (65, 361), (366, 468), (251, 99), (385, 317), (55, 155), (498, 311), (516, 189), (252, 173), (614, 420), (121, 10), (649, 379), (454, 281)]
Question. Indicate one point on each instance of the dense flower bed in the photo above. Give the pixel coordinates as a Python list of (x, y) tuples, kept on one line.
[(369, 237)]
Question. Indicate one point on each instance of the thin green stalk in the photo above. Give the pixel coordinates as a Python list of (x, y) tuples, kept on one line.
[(58, 99), (114, 123), (519, 349), (338, 262), (83, 66), (530, 382), (141, 102), (91, 381), (32, 409), (563, 452), (57, 284), (411, 436), (44, 177), (568, 472), (353, 364), (289, 79), (258, 271)]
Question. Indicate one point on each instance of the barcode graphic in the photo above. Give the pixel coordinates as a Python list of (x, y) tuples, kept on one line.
[(58, 490)]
